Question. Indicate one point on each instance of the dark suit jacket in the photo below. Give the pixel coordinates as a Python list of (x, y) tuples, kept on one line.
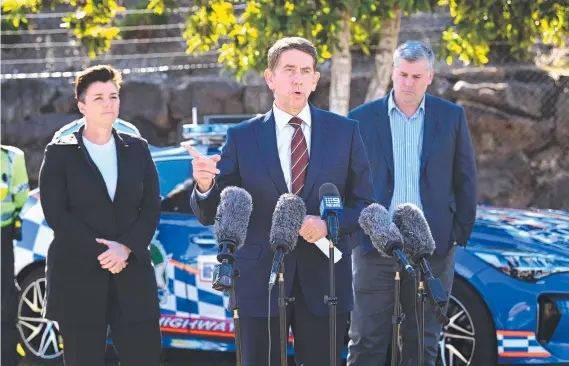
[(78, 208), (448, 167), (250, 160)]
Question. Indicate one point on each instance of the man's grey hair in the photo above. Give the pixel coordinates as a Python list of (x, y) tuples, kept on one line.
[(412, 51)]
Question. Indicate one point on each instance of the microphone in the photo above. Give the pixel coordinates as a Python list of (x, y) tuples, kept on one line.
[(288, 217), (384, 235), (331, 209), (230, 230), (419, 244)]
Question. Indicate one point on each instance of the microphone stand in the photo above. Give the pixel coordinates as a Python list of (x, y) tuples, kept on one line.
[(235, 308), (437, 295), (421, 298), (283, 302), (398, 317), (225, 278), (331, 300)]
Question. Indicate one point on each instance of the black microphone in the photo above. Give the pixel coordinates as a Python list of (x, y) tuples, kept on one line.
[(230, 230), (288, 217), (419, 245), (330, 209), (384, 235)]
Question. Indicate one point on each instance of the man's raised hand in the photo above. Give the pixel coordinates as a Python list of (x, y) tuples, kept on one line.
[(204, 168)]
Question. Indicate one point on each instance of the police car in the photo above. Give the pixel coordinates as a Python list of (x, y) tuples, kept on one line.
[(510, 300)]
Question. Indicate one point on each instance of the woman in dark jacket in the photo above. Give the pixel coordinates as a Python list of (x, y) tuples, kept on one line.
[(100, 195)]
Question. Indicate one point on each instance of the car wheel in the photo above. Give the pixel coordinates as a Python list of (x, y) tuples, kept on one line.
[(470, 338), (39, 337)]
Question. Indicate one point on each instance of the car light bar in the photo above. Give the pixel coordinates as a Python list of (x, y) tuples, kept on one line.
[(205, 134)]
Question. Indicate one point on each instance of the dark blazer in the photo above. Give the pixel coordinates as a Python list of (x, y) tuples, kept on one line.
[(250, 160), (448, 167), (78, 208)]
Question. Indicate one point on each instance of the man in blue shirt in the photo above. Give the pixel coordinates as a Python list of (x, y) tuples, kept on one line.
[(420, 152)]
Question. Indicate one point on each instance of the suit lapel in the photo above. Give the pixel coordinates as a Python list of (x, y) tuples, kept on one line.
[(318, 137), (121, 145), (267, 139), (429, 130), (384, 132)]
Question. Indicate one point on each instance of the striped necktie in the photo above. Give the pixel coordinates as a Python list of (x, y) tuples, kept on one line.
[(298, 156)]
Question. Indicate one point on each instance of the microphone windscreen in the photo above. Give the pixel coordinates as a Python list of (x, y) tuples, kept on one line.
[(232, 217), (288, 218), (374, 221), (417, 238), (328, 189)]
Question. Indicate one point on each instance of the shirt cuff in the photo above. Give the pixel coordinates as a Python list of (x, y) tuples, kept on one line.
[(203, 196)]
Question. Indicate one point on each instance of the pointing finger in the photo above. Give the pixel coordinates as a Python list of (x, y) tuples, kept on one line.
[(193, 152)]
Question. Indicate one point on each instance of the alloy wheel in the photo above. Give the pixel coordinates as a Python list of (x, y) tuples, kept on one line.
[(39, 336), (457, 343)]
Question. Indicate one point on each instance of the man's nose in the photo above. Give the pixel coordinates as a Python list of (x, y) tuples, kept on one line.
[(296, 79)]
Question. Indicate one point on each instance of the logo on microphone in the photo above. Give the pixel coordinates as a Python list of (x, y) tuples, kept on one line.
[(333, 202)]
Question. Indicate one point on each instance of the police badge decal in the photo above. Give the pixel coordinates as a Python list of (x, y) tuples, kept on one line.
[(160, 261)]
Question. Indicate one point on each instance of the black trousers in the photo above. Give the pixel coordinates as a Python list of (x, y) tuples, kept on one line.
[(311, 335), (136, 344), (9, 300)]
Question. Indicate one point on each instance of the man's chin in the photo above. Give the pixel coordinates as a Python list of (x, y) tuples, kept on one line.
[(299, 102)]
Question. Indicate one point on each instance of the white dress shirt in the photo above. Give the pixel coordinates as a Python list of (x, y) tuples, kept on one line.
[(284, 137)]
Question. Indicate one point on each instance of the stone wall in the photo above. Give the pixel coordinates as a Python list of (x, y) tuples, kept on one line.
[(518, 117)]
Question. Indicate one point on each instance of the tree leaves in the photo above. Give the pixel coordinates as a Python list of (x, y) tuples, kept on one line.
[(92, 25), (481, 29), (502, 28)]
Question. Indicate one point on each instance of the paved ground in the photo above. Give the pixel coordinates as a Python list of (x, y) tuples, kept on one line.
[(177, 358), (173, 358)]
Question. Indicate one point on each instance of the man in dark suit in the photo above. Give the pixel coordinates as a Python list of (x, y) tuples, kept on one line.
[(295, 148), (100, 195), (420, 152)]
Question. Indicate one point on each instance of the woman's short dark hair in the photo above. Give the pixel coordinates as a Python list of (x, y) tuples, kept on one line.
[(102, 73), (290, 43)]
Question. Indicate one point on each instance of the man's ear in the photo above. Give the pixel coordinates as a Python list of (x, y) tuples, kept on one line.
[(315, 80), (269, 78)]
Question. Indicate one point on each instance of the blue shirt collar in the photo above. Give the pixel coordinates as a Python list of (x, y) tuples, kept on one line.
[(391, 104)]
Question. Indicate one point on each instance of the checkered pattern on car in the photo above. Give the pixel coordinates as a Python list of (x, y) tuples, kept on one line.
[(519, 344)]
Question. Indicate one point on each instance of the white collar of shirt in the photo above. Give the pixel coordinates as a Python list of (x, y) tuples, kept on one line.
[(391, 103), (282, 118)]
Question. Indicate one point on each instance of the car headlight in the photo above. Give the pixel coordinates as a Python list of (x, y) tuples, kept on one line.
[(521, 265)]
